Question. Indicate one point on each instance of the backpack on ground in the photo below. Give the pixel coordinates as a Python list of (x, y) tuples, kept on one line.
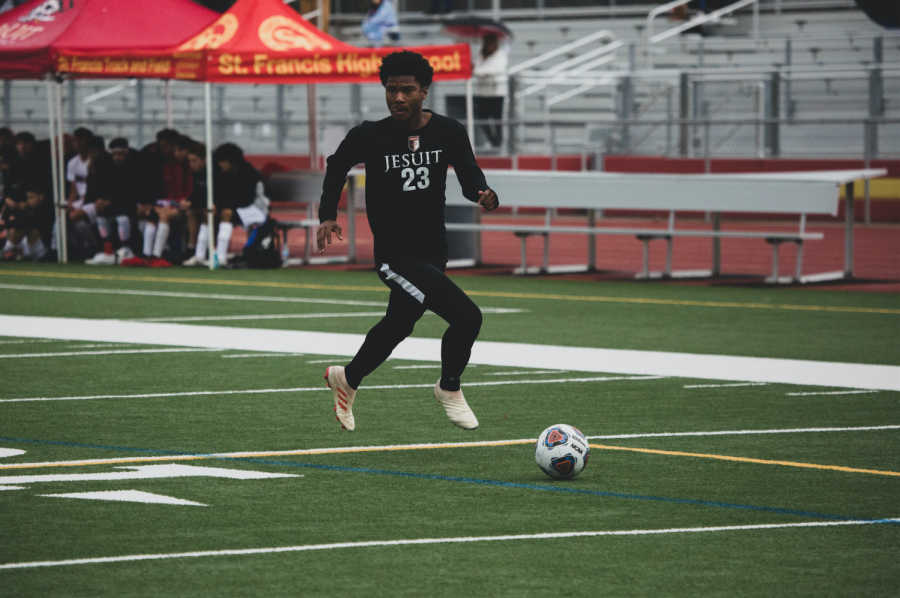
[(262, 250)]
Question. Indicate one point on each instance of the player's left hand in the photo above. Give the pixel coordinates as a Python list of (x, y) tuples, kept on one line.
[(488, 200)]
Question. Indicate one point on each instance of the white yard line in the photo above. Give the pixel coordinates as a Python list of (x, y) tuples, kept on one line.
[(530, 372), (837, 392), (332, 360), (351, 314), (516, 355), (31, 340), (726, 385), (323, 388), (424, 367), (263, 355), (385, 543), (177, 295), (116, 352)]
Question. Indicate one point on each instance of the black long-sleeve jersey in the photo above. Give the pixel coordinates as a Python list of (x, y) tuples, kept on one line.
[(406, 181)]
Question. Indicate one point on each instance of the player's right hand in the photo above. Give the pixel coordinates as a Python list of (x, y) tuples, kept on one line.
[(323, 235)]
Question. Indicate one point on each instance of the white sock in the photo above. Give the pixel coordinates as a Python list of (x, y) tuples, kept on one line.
[(223, 241), (104, 225), (37, 250), (8, 245), (124, 225), (202, 241), (149, 234), (24, 247), (162, 237)]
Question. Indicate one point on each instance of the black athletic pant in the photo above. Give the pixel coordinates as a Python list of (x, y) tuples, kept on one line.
[(416, 286)]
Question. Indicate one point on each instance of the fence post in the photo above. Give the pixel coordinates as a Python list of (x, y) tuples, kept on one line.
[(788, 102), (7, 103), (684, 104), (511, 116), (281, 126), (73, 108), (139, 113), (771, 133)]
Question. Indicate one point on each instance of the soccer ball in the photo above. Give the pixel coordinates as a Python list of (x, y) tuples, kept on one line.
[(561, 451)]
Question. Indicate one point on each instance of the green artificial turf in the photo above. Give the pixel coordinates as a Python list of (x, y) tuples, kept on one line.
[(436, 493)]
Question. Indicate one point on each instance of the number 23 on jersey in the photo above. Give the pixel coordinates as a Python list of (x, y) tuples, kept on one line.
[(415, 178)]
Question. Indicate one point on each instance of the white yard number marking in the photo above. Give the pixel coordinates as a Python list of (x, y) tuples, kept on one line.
[(410, 176)]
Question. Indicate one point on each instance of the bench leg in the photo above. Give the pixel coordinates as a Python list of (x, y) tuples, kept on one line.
[(545, 266), (798, 273), (775, 246), (524, 255), (668, 272), (646, 271), (307, 251)]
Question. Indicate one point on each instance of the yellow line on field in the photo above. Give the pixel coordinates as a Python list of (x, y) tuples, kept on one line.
[(745, 459), (384, 289), (413, 447)]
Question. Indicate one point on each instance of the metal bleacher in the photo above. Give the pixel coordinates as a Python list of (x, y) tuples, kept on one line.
[(830, 53)]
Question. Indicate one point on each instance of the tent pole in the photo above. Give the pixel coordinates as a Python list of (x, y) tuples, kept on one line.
[(210, 245), (59, 213), (61, 157), (313, 126), (169, 119), (470, 113)]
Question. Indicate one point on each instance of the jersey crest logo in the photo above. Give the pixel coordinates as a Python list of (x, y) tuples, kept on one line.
[(414, 142)]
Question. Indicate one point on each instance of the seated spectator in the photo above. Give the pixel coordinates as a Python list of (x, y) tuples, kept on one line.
[(192, 217), (7, 139), (196, 205), (81, 217), (103, 198), (239, 197), (29, 224), (380, 20), (13, 188), (167, 182)]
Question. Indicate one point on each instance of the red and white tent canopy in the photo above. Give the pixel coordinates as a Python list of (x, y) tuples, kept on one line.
[(39, 36), (258, 41)]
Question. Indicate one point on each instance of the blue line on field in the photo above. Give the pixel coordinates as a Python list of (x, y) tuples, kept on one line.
[(427, 476)]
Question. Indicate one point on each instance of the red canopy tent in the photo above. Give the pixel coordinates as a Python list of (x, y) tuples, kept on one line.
[(256, 41), (36, 36), (39, 35)]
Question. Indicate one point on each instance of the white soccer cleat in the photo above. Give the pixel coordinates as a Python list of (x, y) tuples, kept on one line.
[(343, 396), (195, 261), (455, 405), (102, 259)]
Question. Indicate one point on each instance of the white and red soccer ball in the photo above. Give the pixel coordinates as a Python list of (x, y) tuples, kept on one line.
[(561, 451)]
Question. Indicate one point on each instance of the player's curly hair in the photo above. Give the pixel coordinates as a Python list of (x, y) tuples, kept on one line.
[(405, 62)]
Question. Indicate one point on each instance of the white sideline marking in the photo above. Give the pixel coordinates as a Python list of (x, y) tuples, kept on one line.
[(332, 360), (323, 389), (307, 547), (116, 352), (147, 472), (352, 314), (6, 452), (263, 355), (129, 496), (12, 488), (246, 454), (726, 385), (104, 345), (32, 340), (516, 355), (25, 287), (423, 367), (839, 392), (530, 372)]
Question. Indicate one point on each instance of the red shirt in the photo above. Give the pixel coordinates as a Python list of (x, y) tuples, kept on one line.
[(176, 180)]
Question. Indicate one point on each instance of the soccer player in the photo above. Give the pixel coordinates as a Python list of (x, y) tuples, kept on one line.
[(406, 157)]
